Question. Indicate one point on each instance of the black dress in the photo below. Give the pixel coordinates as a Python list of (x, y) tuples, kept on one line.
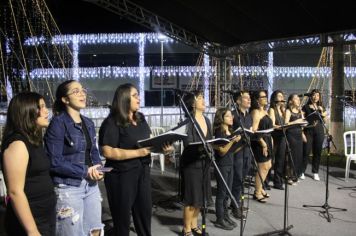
[(38, 188), (295, 140), (265, 123), (193, 171)]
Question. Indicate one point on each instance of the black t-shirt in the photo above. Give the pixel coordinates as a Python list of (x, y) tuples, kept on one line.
[(38, 183), (110, 134), (311, 115), (88, 144), (227, 159)]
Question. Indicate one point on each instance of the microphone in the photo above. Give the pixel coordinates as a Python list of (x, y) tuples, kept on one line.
[(305, 95), (341, 96), (232, 92), (181, 124), (181, 92)]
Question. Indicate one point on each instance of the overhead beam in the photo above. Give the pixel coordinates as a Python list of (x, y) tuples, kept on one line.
[(150, 20), (319, 40)]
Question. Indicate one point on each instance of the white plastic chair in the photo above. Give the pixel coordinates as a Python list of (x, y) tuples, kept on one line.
[(350, 151), (156, 131)]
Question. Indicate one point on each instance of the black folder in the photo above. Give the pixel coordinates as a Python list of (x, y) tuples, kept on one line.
[(288, 126), (195, 151), (156, 142)]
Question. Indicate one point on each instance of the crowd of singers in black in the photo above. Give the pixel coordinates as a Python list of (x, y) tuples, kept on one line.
[(53, 183)]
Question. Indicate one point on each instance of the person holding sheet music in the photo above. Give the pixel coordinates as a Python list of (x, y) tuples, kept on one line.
[(277, 112), (262, 145), (192, 174), (314, 132), (295, 134), (128, 185), (223, 121), (242, 159)]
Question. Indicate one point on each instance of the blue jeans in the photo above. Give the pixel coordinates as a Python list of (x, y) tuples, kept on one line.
[(78, 209)]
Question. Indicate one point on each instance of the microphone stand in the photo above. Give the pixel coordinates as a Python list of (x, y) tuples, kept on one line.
[(326, 206), (208, 150), (247, 139), (288, 157)]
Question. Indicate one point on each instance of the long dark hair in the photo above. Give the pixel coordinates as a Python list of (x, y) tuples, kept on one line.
[(22, 113), (121, 104), (290, 98), (273, 99), (255, 97), (314, 91), (219, 119), (62, 90), (189, 100)]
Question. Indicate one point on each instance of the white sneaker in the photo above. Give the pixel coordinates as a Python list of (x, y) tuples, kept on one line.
[(316, 177), (302, 176)]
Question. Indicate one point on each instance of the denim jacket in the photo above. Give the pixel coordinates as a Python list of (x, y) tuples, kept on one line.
[(65, 145)]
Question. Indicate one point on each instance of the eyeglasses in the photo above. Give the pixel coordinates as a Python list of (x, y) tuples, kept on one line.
[(263, 97), (136, 95), (78, 92)]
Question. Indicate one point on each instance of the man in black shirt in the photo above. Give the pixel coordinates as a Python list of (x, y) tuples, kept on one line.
[(242, 159)]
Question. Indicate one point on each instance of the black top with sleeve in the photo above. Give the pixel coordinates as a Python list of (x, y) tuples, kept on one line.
[(227, 159), (113, 135), (311, 115), (246, 120)]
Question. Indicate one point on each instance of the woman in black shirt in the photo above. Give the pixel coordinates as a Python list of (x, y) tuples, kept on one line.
[(223, 122), (314, 132), (277, 112), (31, 209), (128, 185)]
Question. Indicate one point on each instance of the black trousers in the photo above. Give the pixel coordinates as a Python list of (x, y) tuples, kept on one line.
[(242, 166), (130, 191), (222, 193), (279, 159), (315, 138)]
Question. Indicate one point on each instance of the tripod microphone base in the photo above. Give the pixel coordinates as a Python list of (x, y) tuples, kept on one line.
[(352, 187), (327, 208), (278, 232)]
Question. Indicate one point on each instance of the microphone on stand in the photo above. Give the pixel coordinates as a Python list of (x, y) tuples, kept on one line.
[(305, 95), (342, 97)]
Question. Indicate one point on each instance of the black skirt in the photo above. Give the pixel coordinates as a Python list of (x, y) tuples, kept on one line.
[(195, 178)]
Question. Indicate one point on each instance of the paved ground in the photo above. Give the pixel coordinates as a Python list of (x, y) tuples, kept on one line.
[(262, 218)]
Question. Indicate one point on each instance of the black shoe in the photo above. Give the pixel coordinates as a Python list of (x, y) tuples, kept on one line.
[(222, 224), (267, 187), (280, 187), (237, 215), (229, 220), (197, 232), (186, 233)]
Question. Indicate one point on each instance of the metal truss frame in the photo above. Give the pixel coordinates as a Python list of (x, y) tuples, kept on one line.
[(148, 19)]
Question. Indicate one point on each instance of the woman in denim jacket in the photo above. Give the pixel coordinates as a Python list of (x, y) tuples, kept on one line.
[(71, 145)]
